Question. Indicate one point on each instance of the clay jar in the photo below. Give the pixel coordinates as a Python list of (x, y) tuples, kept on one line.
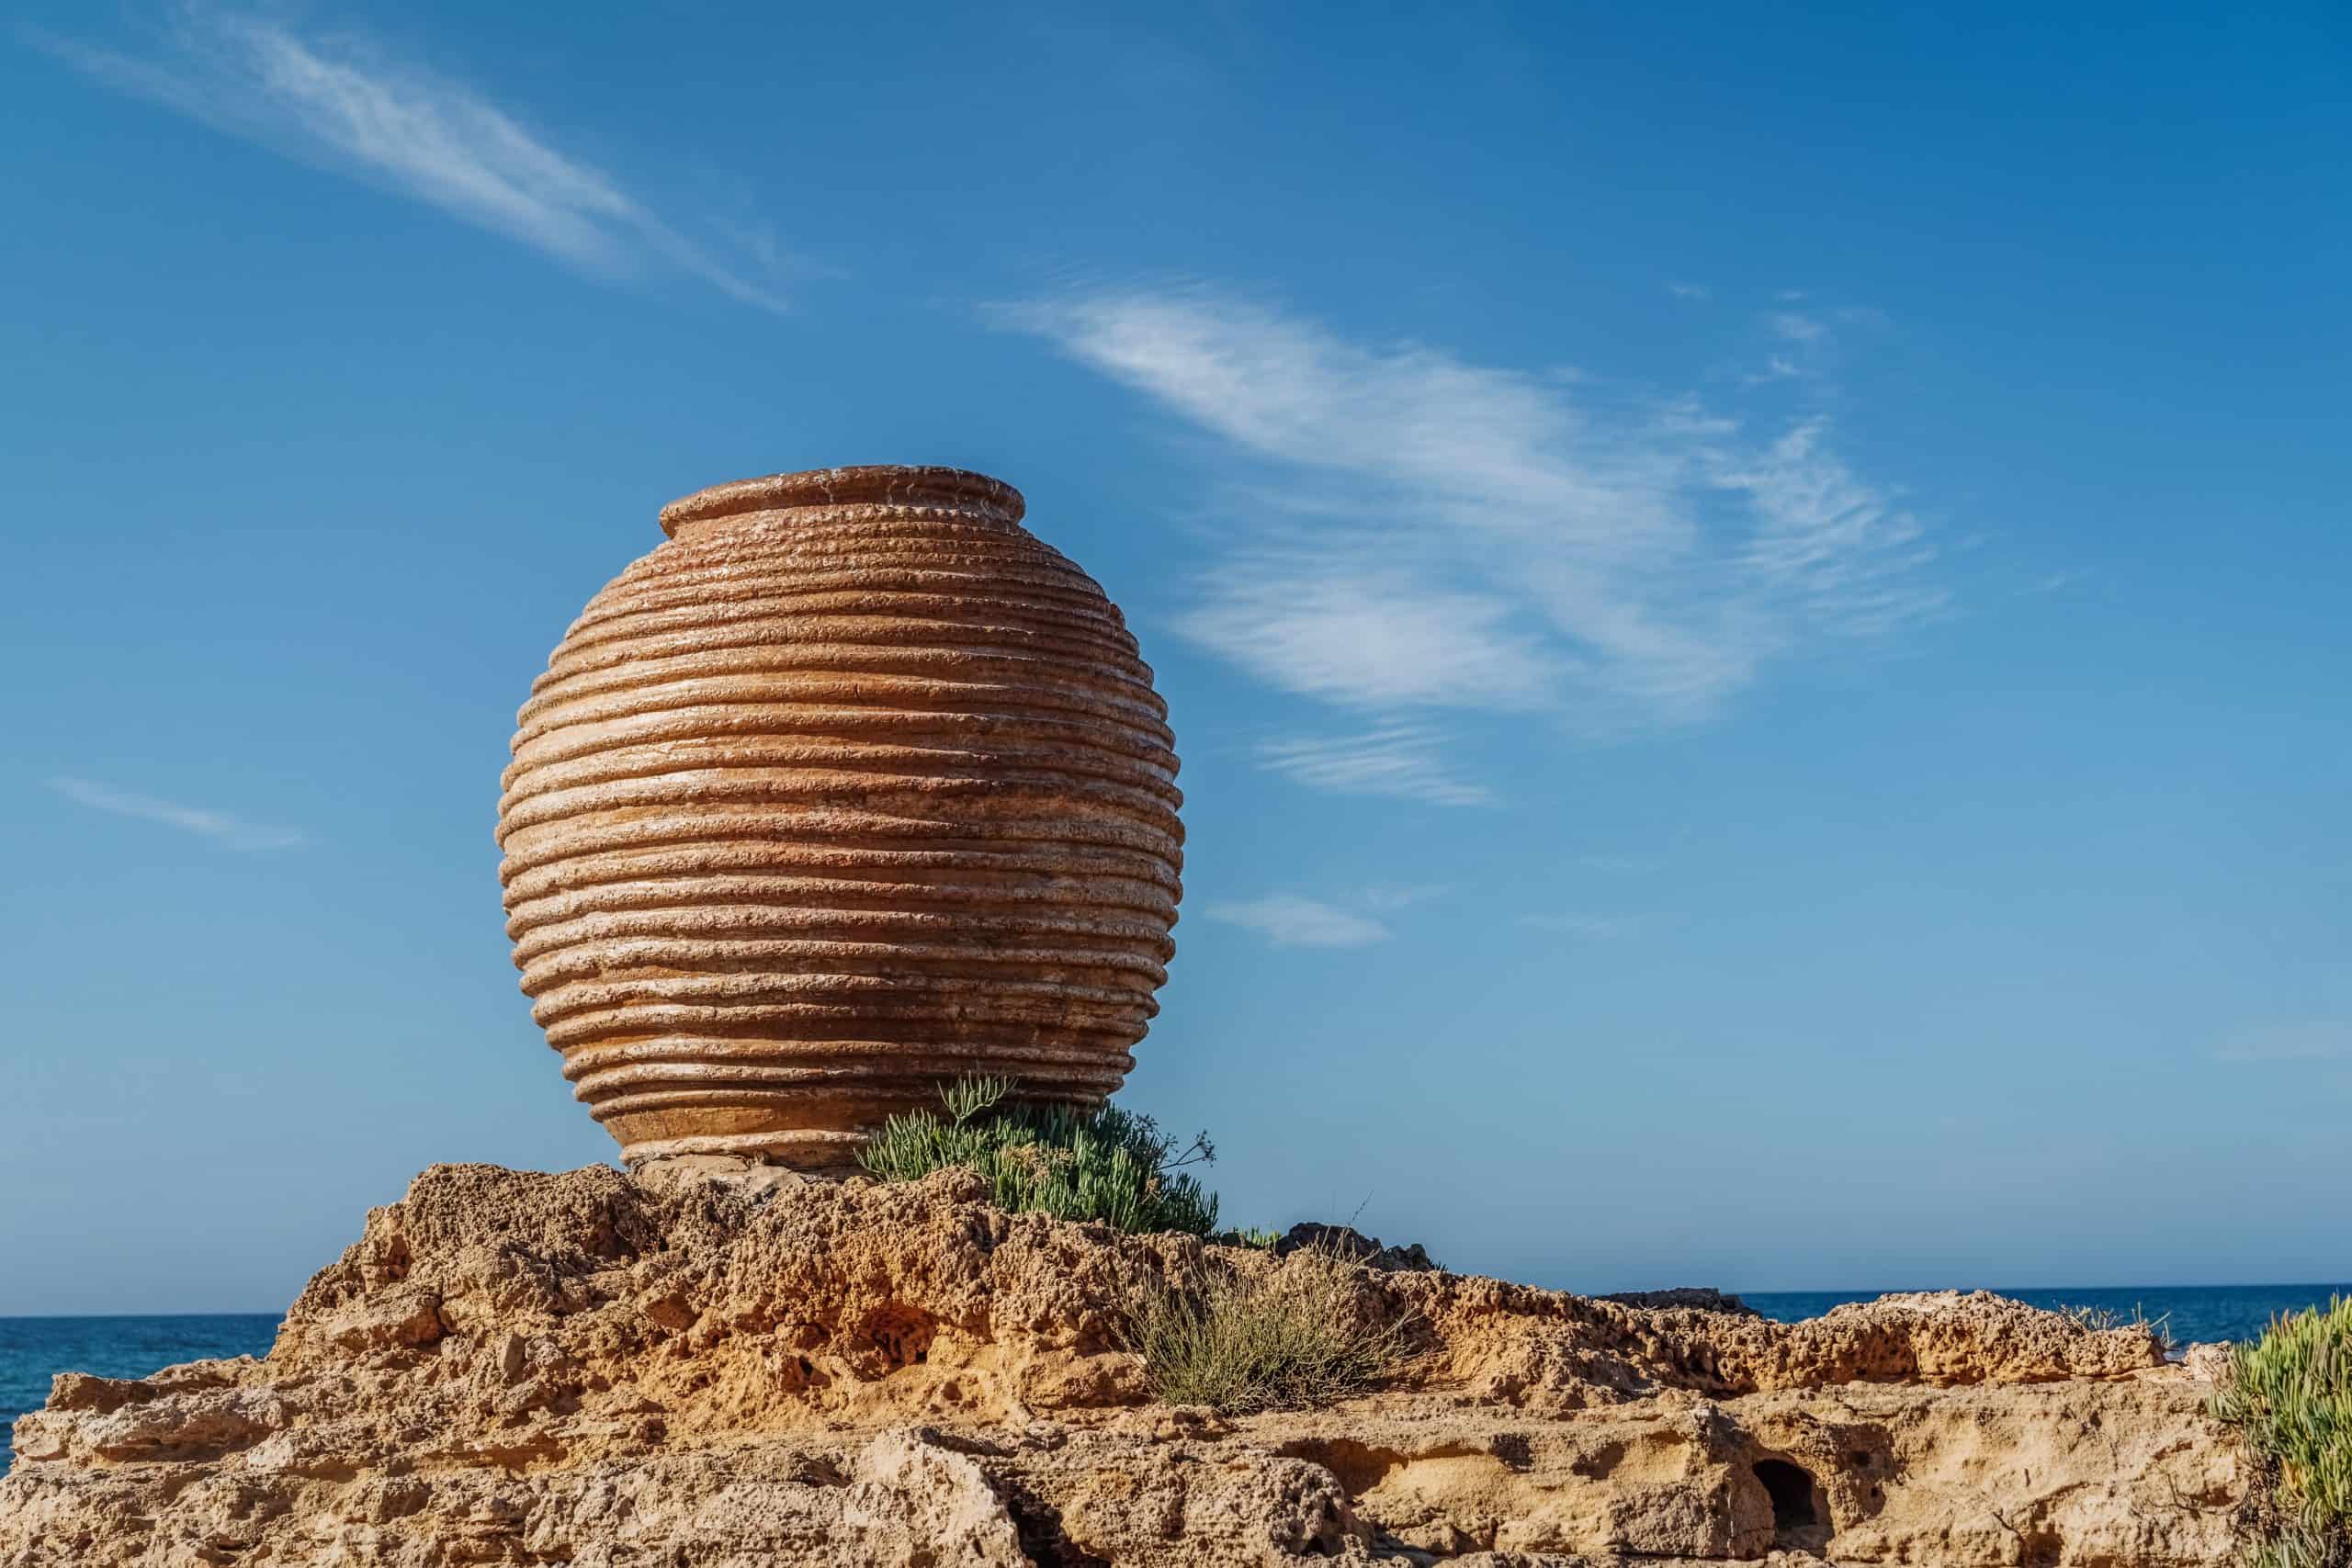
[(851, 786)]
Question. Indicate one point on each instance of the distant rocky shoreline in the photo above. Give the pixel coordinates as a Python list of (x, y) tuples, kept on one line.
[(612, 1372)]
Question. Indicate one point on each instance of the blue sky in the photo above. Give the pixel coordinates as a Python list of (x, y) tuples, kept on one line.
[(1752, 601)]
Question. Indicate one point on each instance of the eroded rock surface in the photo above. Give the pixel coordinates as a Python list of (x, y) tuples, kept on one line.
[(608, 1372)]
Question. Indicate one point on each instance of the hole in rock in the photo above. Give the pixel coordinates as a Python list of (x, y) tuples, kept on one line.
[(1039, 1525), (1790, 1489), (899, 1335), (1597, 1465), (795, 1374), (2040, 1548), (1358, 1467)]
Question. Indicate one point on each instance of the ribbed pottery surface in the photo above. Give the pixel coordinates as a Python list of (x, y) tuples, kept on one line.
[(850, 788)]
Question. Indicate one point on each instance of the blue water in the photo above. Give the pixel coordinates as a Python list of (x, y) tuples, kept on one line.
[(2191, 1314), (32, 1349)]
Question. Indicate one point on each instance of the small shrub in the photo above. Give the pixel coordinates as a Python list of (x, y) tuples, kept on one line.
[(1266, 1339), (1108, 1164), (1256, 1237), (2288, 1394), (2099, 1319)]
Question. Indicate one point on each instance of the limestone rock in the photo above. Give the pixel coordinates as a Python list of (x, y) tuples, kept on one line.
[(596, 1370), (851, 786), (2208, 1363)]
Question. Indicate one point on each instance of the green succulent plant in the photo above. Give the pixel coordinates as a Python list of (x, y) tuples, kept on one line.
[(1108, 1163), (2288, 1394)]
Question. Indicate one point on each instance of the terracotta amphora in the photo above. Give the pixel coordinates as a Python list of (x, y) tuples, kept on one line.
[(851, 786)]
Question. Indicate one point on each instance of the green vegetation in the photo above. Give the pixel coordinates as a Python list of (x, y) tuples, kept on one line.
[(1256, 1237), (2289, 1396), (1108, 1164), (1270, 1338), (1277, 1334)]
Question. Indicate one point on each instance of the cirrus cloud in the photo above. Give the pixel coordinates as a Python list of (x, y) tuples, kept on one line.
[(223, 827), (1417, 535), (338, 102), (1288, 920)]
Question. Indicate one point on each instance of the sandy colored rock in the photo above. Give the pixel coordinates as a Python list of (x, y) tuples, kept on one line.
[(2208, 1363), (851, 786), (612, 1373)]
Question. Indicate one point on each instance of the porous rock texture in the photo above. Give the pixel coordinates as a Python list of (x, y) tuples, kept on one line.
[(851, 786), (605, 1371)]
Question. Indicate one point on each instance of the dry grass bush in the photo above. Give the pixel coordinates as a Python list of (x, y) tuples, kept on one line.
[(2101, 1319), (1288, 1337)]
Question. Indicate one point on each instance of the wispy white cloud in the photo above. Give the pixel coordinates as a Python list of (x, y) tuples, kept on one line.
[(1805, 346), (1827, 541), (234, 832), (338, 103), (1412, 532), (1288, 920), (1392, 896), (1591, 927), (1690, 290), (1777, 368), (1403, 762), (2291, 1043), (1343, 625)]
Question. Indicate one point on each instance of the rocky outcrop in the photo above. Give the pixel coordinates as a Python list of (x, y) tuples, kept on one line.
[(851, 786), (1345, 1241), (595, 1369), (1684, 1296)]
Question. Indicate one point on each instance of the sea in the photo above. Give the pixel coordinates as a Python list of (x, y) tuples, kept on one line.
[(34, 1349)]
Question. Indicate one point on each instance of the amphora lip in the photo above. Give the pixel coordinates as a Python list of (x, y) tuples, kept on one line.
[(885, 484)]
